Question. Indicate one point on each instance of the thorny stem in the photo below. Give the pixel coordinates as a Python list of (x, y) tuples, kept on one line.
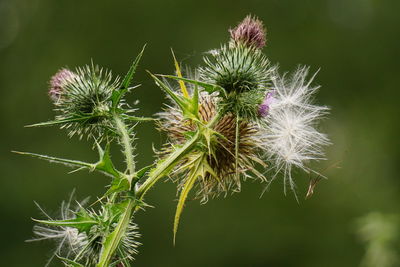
[(126, 144), (111, 242), (115, 237)]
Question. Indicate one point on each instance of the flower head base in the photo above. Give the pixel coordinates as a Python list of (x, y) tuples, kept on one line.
[(58, 81), (250, 32), (291, 137), (221, 175)]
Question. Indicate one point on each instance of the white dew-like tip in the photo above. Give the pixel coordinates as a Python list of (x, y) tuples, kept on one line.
[(290, 133)]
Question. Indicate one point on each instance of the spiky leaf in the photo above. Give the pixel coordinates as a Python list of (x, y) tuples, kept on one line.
[(119, 93), (83, 222)]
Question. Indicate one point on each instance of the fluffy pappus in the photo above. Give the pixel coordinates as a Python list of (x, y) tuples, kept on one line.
[(290, 127)]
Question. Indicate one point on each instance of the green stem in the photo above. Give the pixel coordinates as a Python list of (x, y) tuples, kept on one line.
[(126, 144), (166, 165), (111, 242)]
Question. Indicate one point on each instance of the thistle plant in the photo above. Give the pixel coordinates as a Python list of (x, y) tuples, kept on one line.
[(231, 119)]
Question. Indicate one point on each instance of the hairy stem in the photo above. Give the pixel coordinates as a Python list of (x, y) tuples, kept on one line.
[(126, 145), (111, 242)]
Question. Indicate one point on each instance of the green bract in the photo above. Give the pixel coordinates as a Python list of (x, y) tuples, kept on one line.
[(236, 68), (243, 72)]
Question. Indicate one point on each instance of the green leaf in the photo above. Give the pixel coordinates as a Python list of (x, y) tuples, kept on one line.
[(210, 88), (189, 107), (140, 173), (177, 98), (83, 222), (62, 121), (118, 185), (105, 164), (195, 172), (120, 92), (70, 263), (189, 134), (128, 77), (67, 162), (116, 209), (179, 73)]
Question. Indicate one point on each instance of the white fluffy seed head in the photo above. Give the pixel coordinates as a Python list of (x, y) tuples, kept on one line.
[(290, 133), (69, 241)]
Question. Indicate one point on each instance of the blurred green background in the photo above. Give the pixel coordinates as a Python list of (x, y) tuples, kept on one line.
[(355, 43)]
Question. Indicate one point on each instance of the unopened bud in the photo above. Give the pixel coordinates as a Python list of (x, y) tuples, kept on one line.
[(250, 32)]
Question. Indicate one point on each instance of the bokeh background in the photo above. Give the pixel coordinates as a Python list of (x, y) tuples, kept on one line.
[(354, 43)]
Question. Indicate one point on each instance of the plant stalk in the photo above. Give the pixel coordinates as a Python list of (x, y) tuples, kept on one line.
[(111, 242), (126, 145)]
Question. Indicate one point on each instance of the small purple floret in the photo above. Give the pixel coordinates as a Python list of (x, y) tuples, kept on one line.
[(58, 81), (264, 107)]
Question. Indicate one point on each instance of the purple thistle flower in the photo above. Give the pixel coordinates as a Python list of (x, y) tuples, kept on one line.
[(264, 107), (58, 81), (250, 32)]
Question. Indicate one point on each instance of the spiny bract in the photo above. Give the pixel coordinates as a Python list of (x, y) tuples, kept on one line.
[(236, 69)]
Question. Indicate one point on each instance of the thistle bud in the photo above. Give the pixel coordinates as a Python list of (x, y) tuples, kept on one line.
[(250, 32), (264, 107), (58, 81)]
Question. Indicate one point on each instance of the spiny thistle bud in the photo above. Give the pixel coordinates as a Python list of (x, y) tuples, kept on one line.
[(236, 69), (84, 99), (250, 32), (58, 81)]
